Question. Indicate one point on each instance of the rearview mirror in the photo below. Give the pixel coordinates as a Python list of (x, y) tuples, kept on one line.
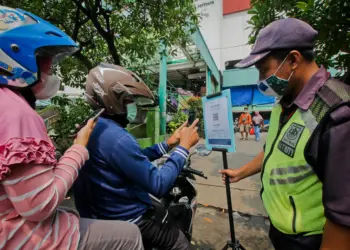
[(202, 150)]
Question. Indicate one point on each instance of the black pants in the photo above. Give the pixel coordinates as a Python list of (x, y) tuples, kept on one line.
[(283, 241), (160, 233)]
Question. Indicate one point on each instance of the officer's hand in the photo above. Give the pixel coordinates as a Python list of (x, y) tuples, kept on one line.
[(189, 136), (234, 174), (175, 137)]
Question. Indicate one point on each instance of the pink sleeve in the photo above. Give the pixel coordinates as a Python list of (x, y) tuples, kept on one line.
[(36, 190)]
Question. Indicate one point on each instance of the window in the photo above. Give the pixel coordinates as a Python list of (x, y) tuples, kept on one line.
[(233, 6)]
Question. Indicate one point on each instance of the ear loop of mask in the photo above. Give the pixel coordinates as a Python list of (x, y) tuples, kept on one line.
[(291, 74), (281, 65)]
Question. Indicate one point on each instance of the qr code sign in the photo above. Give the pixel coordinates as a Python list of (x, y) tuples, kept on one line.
[(215, 117)]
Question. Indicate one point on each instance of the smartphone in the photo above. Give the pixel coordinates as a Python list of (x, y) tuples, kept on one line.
[(97, 114), (94, 115), (191, 117)]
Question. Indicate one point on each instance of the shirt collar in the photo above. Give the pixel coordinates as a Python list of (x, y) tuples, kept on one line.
[(308, 93)]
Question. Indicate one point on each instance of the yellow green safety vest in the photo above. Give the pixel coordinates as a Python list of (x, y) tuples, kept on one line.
[(291, 191)]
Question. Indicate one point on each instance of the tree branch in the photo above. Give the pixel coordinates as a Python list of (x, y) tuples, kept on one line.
[(108, 36), (85, 43), (83, 59), (78, 3), (76, 25)]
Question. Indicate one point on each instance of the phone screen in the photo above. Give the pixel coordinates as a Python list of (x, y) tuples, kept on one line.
[(191, 117)]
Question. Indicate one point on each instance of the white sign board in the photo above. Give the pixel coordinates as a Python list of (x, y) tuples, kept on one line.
[(218, 123)]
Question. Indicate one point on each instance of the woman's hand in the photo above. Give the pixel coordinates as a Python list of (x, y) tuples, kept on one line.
[(83, 135)]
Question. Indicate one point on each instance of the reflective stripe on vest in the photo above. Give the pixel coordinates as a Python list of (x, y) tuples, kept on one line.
[(292, 193), (305, 171)]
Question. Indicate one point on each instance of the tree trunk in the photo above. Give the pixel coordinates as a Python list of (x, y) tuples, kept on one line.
[(113, 50)]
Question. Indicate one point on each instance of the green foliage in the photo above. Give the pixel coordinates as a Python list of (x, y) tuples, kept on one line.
[(331, 18), (179, 118), (195, 105), (44, 110), (122, 32), (70, 113)]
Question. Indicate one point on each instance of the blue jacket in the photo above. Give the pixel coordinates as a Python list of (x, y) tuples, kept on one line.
[(116, 181)]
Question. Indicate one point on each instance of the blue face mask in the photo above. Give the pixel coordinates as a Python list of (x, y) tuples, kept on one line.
[(274, 85), (131, 109)]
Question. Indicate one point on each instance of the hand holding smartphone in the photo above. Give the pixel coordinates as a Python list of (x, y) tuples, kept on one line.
[(83, 136), (94, 116)]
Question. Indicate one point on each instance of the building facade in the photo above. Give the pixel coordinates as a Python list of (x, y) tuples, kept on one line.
[(224, 26)]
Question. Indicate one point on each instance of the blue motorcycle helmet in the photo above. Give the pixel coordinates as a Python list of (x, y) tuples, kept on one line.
[(29, 48)]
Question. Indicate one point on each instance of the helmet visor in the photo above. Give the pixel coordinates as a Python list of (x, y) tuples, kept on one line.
[(143, 101), (56, 53)]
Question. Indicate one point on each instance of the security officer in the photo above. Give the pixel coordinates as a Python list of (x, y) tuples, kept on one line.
[(305, 164)]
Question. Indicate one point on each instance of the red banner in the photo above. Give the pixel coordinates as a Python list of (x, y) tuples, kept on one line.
[(233, 6)]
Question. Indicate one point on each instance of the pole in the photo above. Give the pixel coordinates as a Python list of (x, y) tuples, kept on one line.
[(162, 89), (208, 82), (229, 201)]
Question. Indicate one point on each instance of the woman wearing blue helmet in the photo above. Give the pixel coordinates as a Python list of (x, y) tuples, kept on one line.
[(32, 182)]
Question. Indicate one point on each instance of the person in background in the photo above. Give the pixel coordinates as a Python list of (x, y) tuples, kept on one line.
[(305, 163), (258, 122), (236, 128), (32, 182), (245, 121)]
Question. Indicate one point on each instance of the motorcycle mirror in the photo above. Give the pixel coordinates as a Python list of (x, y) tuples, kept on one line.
[(202, 150)]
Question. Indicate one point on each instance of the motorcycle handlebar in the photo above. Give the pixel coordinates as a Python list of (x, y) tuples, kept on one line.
[(196, 172)]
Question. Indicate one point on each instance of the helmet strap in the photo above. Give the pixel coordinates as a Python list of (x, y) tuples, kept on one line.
[(29, 96)]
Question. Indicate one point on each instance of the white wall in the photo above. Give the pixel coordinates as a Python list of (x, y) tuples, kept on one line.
[(226, 36), (234, 37), (72, 91), (210, 25)]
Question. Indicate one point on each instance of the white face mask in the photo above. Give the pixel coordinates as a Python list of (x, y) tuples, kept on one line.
[(47, 87)]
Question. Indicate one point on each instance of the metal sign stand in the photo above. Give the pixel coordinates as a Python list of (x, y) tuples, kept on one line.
[(233, 243)]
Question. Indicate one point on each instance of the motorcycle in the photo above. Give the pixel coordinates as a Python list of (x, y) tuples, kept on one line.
[(181, 200)]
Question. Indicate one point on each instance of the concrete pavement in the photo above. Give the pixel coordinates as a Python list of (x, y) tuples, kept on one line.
[(245, 194), (211, 230), (211, 224)]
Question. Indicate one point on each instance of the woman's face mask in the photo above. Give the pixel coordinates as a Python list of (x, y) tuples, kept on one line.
[(47, 87), (131, 109), (49, 84), (274, 85)]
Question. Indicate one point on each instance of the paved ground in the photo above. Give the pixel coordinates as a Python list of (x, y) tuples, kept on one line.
[(211, 227), (245, 194), (211, 230)]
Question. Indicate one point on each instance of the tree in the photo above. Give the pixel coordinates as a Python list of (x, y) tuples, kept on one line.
[(331, 18), (122, 32)]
